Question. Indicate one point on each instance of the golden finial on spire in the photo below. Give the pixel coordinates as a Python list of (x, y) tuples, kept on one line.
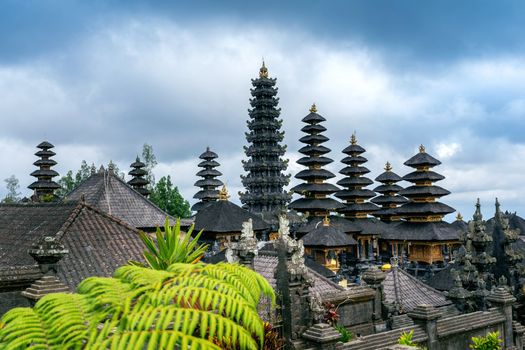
[(326, 221), (421, 148), (353, 139), (388, 167), (459, 217), (313, 109), (223, 193), (263, 72)]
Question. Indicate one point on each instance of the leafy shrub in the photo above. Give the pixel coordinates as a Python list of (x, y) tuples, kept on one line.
[(346, 335), (489, 342), (406, 339)]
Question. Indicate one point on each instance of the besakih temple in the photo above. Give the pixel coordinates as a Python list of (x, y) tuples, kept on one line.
[(221, 221), (326, 243), (138, 182), (388, 198), (44, 187), (315, 191), (422, 236), (209, 183), (107, 192), (265, 180), (357, 206)]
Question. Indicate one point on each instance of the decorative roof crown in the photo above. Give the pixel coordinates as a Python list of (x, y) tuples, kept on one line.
[(263, 72), (313, 109), (422, 149), (388, 167), (223, 193)]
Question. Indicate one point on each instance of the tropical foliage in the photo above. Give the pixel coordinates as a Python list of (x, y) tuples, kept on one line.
[(346, 335), (406, 339), (169, 247), (489, 342), (189, 306), (168, 198), (12, 186)]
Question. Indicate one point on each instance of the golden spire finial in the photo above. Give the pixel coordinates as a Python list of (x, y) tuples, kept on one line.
[(223, 193), (388, 167), (459, 217), (313, 109), (263, 72), (421, 148), (326, 221), (353, 139)]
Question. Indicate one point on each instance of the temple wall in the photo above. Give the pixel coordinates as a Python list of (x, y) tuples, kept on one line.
[(9, 300)]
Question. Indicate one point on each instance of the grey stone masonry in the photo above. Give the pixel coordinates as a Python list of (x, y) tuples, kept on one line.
[(503, 300), (427, 316), (374, 278), (322, 336), (44, 286)]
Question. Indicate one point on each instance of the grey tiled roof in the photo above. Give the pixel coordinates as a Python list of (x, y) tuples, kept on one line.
[(97, 243), (109, 193), (408, 292), (421, 231)]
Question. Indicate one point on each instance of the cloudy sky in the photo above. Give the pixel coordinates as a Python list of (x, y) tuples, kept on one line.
[(100, 78)]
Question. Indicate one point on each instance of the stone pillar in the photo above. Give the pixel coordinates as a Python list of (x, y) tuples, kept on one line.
[(459, 295), (373, 278), (322, 336), (519, 330), (427, 316), (371, 250), (503, 300), (245, 250), (293, 286)]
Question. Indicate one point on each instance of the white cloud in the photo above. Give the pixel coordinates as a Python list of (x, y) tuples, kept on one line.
[(181, 89)]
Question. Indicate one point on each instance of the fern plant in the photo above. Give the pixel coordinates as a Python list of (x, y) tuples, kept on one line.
[(169, 247), (195, 306), (406, 339)]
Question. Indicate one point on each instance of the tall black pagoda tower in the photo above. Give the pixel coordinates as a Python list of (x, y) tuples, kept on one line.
[(265, 179), (355, 194), (44, 187), (423, 194), (315, 190), (138, 182), (208, 183), (389, 199)]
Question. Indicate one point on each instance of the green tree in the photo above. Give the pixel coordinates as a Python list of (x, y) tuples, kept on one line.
[(69, 182), (167, 197), (195, 306), (148, 157), (12, 186)]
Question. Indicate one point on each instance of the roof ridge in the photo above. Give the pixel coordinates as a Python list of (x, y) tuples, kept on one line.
[(326, 280), (136, 193), (110, 217), (69, 221), (422, 284)]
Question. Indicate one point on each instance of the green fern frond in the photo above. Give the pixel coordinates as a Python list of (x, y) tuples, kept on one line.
[(22, 328), (141, 276)]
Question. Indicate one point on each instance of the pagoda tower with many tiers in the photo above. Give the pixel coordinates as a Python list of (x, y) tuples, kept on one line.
[(315, 191), (209, 182), (44, 187), (265, 180), (355, 194), (389, 200), (138, 182), (423, 194)]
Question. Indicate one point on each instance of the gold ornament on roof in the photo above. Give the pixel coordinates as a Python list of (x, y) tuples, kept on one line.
[(353, 139), (459, 217), (263, 72), (313, 109), (326, 221), (421, 148), (223, 193), (388, 167)]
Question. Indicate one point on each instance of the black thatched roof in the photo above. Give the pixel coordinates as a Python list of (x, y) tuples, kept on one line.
[(443, 279), (308, 204), (98, 243), (327, 236), (224, 216), (108, 192), (420, 209), (421, 231), (339, 222), (422, 159), (416, 176), (370, 226), (313, 118), (424, 191)]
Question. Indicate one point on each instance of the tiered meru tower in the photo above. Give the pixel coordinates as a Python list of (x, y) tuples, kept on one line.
[(265, 179), (355, 194), (138, 182), (44, 186), (389, 199), (209, 181), (422, 195), (315, 191)]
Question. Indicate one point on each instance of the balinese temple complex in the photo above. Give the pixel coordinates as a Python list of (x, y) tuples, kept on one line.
[(209, 182), (265, 180)]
